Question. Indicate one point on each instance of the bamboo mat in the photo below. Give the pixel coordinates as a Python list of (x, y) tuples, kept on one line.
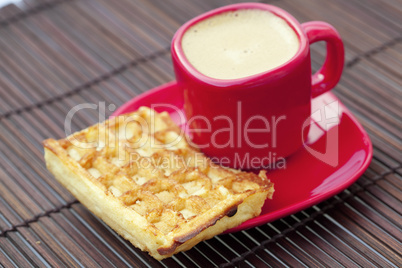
[(57, 54)]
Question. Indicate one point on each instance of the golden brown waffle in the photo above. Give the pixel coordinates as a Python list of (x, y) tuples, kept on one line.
[(138, 173)]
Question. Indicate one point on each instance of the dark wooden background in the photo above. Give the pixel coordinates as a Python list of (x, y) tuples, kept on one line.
[(55, 54)]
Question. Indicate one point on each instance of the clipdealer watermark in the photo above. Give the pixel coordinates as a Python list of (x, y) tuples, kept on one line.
[(325, 118)]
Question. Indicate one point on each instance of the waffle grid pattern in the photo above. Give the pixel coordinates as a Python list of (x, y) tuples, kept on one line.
[(143, 160)]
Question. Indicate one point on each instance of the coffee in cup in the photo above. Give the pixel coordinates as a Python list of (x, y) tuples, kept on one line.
[(239, 43), (251, 104)]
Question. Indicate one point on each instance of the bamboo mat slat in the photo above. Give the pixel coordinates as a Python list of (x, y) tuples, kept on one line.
[(56, 54), (19, 145)]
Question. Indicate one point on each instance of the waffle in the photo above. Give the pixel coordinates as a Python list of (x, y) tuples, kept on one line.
[(141, 176)]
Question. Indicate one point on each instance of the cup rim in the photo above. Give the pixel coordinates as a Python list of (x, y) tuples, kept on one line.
[(277, 72)]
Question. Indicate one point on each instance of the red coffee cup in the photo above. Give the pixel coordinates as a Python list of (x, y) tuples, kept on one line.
[(267, 110)]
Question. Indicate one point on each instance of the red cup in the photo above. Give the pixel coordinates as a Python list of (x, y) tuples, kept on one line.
[(280, 96)]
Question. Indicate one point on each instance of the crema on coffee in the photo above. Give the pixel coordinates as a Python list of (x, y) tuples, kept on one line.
[(239, 43)]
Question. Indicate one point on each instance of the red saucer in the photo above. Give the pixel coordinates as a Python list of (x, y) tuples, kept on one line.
[(311, 174)]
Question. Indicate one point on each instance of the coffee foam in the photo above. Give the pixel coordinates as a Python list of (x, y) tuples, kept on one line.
[(239, 43)]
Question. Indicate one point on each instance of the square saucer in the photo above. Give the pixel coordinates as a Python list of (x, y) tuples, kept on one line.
[(337, 152)]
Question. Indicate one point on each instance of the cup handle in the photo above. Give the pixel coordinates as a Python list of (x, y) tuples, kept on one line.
[(330, 72)]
